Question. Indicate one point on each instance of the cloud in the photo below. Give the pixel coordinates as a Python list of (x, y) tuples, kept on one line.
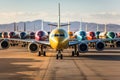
[(101, 17), (107, 17)]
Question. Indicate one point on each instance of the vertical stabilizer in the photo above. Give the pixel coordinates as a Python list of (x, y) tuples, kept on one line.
[(97, 27), (15, 28), (86, 27), (59, 15), (42, 25), (34, 27), (68, 26), (80, 25), (24, 27), (105, 28)]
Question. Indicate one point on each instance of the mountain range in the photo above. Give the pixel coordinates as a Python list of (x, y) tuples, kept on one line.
[(74, 26)]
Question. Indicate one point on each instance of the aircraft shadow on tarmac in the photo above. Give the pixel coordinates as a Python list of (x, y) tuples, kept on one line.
[(98, 57), (10, 71)]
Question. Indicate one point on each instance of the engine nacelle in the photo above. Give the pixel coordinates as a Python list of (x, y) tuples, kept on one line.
[(4, 44), (82, 47), (33, 47), (117, 43), (100, 46)]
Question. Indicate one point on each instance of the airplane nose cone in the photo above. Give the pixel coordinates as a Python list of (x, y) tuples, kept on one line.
[(58, 43)]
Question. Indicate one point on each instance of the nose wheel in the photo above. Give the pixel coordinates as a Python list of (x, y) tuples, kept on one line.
[(59, 55)]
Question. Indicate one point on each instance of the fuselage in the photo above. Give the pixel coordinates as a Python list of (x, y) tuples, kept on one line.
[(91, 35), (104, 35), (70, 35), (59, 39), (41, 35), (80, 35), (4, 34)]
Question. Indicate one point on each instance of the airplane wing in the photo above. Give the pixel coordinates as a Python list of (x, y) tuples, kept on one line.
[(29, 41)]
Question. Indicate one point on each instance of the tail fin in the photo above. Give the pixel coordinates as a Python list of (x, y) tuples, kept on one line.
[(42, 25), (59, 15), (24, 27), (15, 28), (105, 28), (59, 23), (97, 27), (86, 27), (80, 25), (68, 27)]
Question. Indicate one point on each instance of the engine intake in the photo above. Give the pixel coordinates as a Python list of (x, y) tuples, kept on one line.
[(82, 47), (118, 44), (33, 47), (100, 46), (4, 44)]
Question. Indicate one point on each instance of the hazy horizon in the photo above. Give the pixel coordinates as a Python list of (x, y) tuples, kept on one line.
[(98, 11)]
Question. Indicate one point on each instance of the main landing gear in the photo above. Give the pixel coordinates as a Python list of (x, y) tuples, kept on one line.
[(59, 55), (41, 52), (75, 52)]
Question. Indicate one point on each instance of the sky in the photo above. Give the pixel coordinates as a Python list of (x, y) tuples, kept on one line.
[(99, 11)]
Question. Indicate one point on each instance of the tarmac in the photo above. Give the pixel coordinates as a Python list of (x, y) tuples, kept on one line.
[(16, 63)]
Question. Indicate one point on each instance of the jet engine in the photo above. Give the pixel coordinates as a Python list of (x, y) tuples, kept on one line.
[(4, 44), (100, 46), (33, 47), (117, 43), (82, 47)]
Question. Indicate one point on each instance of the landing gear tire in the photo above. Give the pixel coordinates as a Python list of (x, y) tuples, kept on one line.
[(44, 53), (39, 53), (73, 53), (61, 56), (77, 53), (57, 56)]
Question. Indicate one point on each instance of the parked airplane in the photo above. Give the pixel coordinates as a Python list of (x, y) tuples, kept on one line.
[(105, 34), (97, 33), (59, 40)]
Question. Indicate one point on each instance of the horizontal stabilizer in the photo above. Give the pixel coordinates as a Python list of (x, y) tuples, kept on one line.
[(60, 25)]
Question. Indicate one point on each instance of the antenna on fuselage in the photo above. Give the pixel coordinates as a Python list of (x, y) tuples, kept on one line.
[(58, 15)]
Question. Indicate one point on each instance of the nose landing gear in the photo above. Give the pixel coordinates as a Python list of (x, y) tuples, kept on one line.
[(59, 55)]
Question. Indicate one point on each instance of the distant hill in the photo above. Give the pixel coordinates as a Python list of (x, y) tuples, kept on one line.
[(74, 26)]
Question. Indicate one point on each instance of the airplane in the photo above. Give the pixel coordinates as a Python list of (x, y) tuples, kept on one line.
[(70, 32), (0, 34), (90, 34), (108, 35), (97, 33), (105, 34), (59, 40)]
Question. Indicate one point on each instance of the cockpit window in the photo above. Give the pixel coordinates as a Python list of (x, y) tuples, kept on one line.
[(59, 35), (40, 34), (82, 33)]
